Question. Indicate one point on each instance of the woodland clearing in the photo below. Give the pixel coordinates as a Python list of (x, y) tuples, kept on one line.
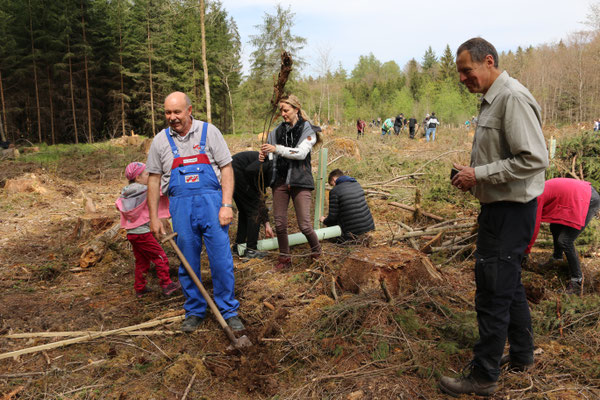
[(380, 320)]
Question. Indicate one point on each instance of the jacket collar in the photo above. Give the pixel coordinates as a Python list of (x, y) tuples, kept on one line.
[(494, 90)]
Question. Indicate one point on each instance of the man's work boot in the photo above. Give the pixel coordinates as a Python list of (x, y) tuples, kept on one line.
[(574, 287), (235, 323), (466, 385), (514, 366), (191, 323)]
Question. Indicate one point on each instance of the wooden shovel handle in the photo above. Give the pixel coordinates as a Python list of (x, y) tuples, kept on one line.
[(205, 294)]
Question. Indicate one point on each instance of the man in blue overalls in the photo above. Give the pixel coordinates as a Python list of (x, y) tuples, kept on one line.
[(185, 162)]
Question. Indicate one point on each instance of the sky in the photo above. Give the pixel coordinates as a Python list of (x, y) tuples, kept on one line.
[(402, 30)]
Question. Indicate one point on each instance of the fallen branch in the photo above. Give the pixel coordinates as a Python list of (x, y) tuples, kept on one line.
[(412, 241), (454, 228), (395, 179), (189, 386), (85, 338), (83, 333), (334, 160), (9, 396), (409, 208), (438, 157)]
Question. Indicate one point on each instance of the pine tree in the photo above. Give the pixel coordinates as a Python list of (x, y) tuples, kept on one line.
[(448, 66)]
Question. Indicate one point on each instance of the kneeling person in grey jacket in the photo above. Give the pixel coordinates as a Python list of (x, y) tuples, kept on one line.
[(348, 207)]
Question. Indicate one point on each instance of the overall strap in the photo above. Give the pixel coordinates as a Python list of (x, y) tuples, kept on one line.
[(203, 137), (172, 143)]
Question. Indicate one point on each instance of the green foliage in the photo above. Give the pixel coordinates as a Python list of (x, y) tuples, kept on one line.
[(585, 149), (381, 352), (408, 320), (575, 313), (461, 329)]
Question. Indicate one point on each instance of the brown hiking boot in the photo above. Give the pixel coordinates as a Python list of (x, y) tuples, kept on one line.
[(283, 263), (466, 385), (514, 366)]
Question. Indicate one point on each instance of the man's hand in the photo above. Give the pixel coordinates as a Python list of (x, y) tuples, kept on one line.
[(465, 178), (225, 216), (269, 231), (157, 228), (322, 218)]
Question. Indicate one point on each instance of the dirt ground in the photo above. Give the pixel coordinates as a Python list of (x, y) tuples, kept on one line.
[(314, 337)]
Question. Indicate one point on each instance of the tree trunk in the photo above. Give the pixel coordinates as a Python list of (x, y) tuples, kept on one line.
[(72, 91), (226, 82), (87, 82), (4, 125), (122, 86), (51, 107), (150, 74), (35, 81), (204, 63)]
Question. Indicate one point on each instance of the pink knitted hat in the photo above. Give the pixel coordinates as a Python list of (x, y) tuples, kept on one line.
[(134, 169)]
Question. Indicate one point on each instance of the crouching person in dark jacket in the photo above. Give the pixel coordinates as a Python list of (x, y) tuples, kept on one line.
[(348, 207)]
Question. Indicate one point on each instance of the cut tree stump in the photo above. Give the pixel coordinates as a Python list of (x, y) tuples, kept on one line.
[(26, 183), (398, 267), (93, 251), (87, 225), (10, 154)]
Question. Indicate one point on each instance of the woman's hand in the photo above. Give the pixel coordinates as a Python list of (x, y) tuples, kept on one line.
[(267, 148)]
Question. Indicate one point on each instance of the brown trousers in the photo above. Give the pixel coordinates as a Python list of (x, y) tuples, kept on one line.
[(302, 199)]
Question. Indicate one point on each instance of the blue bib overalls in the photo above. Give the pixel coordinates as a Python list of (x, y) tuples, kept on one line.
[(195, 200)]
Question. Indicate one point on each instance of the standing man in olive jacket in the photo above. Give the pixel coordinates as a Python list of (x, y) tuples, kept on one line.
[(506, 175), (347, 206)]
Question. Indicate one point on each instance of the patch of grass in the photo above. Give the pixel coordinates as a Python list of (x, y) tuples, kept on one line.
[(408, 320), (46, 273), (461, 329), (381, 352)]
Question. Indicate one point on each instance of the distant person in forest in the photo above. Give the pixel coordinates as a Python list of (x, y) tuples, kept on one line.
[(135, 219), (386, 128), (348, 207), (412, 127), (506, 174), (425, 123), (597, 125), (360, 128), (432, 125), (568, 205), (467, 124), (398, 122)]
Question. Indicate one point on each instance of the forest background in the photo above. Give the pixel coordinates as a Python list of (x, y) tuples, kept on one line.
[(89, 70)]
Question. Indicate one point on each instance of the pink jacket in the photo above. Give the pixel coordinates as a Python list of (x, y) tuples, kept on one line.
[(140, 215), (565, 201)]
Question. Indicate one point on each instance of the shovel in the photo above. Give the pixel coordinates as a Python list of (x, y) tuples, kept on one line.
[(237, 343)]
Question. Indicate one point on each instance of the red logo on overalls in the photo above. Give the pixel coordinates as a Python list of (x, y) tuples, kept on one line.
[(197, 147), (191, 179)]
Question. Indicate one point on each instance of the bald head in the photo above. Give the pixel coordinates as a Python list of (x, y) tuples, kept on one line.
[(178, 112)]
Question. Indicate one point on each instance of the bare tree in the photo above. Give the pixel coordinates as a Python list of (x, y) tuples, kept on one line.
[(204, 63)]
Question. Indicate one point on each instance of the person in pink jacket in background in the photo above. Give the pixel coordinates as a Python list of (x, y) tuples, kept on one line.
[(135, 218), (568, 205)]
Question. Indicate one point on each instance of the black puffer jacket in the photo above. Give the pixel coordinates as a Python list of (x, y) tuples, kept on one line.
[(348, 208)]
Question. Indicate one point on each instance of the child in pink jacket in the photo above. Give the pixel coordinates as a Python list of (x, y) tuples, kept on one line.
[(135, 219), (568, 205)]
